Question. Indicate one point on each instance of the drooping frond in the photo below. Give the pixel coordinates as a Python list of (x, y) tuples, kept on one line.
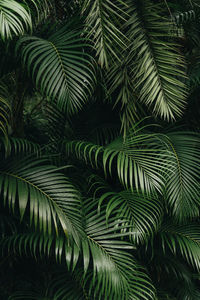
[(15, 18), (142, 213), (140, 160), (182, 183), (39, 190), (103, 24), (182, 240), (157, 65), (60, 66), (116, 273), (17, 146), (120, 84), (39, 8)]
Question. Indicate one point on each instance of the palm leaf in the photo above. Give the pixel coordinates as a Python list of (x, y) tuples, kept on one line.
[(60, 66), (182, 183), (116, 274), (40, 8), (14, 19), (140, 160), (17, 146), (120, 84), (182, 240), (50, 200), (143, 213), (157, 66), (103, 24)]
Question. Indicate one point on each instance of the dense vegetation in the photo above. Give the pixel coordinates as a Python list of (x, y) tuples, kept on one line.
[(99, 173)]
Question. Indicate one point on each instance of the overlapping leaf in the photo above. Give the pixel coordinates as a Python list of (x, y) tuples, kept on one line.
[(182, 183), (116, 273), (143, 213), (157, 66), (140, 160), (182, 240), (103, 24), (14, 19), (60, 66), (47, 196)]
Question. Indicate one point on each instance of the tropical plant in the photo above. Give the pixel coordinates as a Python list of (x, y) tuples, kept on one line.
[(99, 173)]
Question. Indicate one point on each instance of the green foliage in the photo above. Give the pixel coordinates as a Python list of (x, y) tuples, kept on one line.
[(14, 19), (99, 196), (59, 67)]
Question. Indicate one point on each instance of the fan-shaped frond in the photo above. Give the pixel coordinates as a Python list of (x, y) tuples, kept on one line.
[(60, 66), (15, 18), (143, 213), (103, 24), (182, 183), (140, 160), (47, 196), (182, 240), (157, 66), (116, 273), (17, 146)]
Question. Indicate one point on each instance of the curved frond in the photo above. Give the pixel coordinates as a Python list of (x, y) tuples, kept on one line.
[(47, 196), (120, 83), (143, 213), (116, 273), (140, 160), (182, 240), (40, 8), (182, 183), (14, 19), (158, 69), (103, 24), (16, 146), (60, 66)]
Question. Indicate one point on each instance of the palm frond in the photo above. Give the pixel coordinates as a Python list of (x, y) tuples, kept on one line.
[(182, 183), (140, 160), (120, 83), (157, 66), (39, 190), (17, 146), (182, 240), (143, 213), (60, 66), (39, 8), (103, 24), (116, 273), (15, 19)]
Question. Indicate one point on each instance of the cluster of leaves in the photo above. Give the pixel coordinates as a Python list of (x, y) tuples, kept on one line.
[(98, 201)]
